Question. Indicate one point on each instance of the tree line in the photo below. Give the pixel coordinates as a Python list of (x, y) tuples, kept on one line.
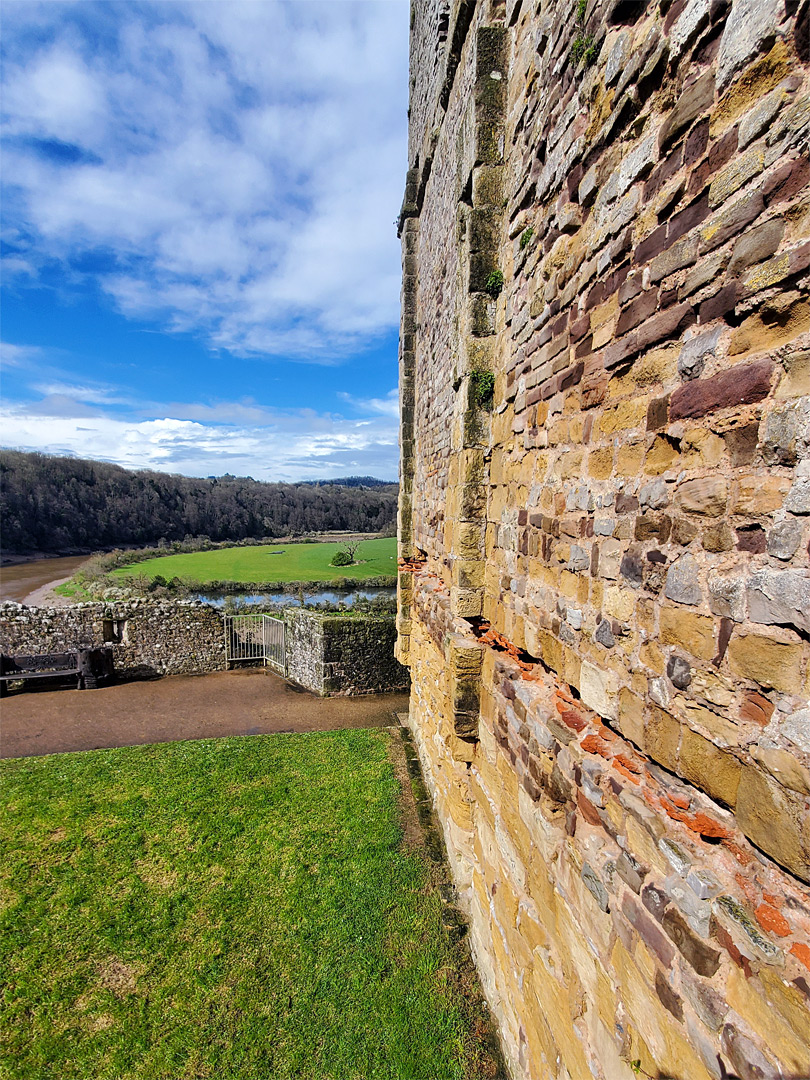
[(56, 504)]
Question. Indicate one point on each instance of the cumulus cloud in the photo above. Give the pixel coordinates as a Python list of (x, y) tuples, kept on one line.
[(290, 446), (233, 168)]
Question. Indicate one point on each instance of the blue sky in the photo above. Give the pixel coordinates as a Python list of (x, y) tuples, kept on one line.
[(200, 266)]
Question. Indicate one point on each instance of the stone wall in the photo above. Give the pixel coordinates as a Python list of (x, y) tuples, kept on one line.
[(343, 654), (605, 593), (329, 654), (148, 638)]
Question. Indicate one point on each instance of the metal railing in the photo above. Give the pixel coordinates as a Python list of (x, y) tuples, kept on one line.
[(256, 637)]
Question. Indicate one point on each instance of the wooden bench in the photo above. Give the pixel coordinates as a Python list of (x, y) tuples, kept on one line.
[(87, 666)]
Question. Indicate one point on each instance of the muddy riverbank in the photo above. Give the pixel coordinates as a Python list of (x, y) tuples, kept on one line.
[(20, 581)]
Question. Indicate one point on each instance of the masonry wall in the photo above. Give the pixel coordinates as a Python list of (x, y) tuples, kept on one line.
[(343, 654), (604, 590), (148, 638)]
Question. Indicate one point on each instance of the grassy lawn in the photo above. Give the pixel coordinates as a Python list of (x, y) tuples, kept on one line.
[(292, 562), (233, 908)]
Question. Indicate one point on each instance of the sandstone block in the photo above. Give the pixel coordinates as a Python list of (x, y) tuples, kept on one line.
[(707, 1003), (717, 537), (666, 324), (707, 496), (751, 25), (770, 661), (681, 254), (768, 273), (617, 58), (598, 690), (695, 101), (775, 819), (662, 736), (648, 931), (653, 527), (758, 119), (692, 632), (631, 716), (741, 169), (731, 221), (758, 494), (745, 1056), (786, 181), (713, 771), (702, 957), (756, 246), (637, 163), (780, 323), (691, 20), (662, 456), (784, 767), (743, 385)]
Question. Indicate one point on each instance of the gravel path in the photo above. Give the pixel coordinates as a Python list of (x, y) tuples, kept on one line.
[(250, 701)]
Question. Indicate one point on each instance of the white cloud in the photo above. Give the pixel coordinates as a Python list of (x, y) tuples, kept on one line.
[(244, 161), (387, 406), (263, 443), (92, 393), (18, 355)]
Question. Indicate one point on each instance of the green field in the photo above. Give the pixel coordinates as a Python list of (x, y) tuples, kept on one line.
[(271, 562), (238, 908)]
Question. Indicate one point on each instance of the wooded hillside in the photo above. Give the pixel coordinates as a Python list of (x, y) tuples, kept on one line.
[(52, 504)]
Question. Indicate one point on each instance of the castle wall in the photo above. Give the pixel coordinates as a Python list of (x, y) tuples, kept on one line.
[(605, 593)]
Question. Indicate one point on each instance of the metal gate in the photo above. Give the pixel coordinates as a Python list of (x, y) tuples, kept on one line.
[(256, 637)]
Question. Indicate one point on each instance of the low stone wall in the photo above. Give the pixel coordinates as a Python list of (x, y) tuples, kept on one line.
[(343, 654), (148, 638), (328, 654)]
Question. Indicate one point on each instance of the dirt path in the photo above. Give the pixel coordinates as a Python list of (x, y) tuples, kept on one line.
[(252, 701)]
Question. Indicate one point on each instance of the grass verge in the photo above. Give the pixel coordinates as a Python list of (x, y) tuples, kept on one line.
[(235, 908)]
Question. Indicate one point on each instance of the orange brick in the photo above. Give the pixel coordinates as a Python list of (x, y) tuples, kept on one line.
[(802, 953), (772, 921)]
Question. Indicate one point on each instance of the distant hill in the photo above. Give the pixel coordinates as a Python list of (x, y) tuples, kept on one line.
[(353, 482), (52, 504)]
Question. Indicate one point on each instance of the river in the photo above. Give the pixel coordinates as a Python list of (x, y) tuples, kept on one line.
[(19, 581), (282, 599)]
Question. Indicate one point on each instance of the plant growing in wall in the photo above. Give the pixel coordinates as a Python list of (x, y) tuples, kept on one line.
[(493, 286), (526, 237), (482, 388), (584, 48)]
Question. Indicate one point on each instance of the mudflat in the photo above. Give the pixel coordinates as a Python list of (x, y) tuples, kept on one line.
[(250, 701)]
